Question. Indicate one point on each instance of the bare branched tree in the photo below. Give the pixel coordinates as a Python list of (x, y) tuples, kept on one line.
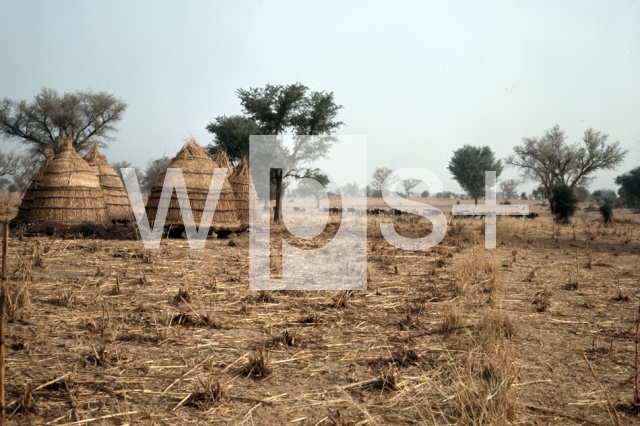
[(508, 188), (409, 184), (41, 124), (551, 161)]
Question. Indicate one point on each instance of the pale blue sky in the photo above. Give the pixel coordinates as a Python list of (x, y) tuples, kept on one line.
[(418, 79)]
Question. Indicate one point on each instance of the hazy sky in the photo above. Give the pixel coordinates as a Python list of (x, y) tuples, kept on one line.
[(418, 79)]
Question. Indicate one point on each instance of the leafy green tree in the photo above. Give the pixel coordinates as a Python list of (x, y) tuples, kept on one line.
[(523, 196), (629, 190), (563, 203), (582, 193), (607, 213), (310, 116), (85, 117), (231, 134), (425, 194), (468, 165), (305, 188)]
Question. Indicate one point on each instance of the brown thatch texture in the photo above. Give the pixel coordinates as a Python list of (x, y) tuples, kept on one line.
[(243, 188), (197, 169), (27, 199), (222, 160), (69, 191), (115, 194)]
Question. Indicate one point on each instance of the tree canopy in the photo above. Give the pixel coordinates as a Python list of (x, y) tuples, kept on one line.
[(630, 187), (85, 117), (231, 134), (551, 161), (309, 116), (508, 188), (468, 165)]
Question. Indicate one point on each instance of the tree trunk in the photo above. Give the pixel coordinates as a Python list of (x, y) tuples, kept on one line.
[(277, 211), (317, 202), (476, 200)]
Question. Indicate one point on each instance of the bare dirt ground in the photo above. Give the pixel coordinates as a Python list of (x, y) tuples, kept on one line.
[(105, 332)]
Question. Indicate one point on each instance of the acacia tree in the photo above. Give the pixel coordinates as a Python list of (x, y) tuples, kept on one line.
[(85, 117), (409, 184), (9, 163), (309, 116), (508, 188), (468, 165), (629, 190), (378, 177), (231, 134), (551, 161), (317, 191)]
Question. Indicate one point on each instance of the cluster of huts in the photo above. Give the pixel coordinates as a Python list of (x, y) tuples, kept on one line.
[(69, 189)]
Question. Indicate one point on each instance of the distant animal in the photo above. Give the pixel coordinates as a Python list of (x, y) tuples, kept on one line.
[(351, 210), (335, 210), (532, 215)]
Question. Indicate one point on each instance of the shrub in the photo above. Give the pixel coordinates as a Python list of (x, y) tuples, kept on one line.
[(607, 213), (563, 203)]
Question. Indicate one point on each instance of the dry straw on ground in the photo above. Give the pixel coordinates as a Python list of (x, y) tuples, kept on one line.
[(115, 194), (174, 346)]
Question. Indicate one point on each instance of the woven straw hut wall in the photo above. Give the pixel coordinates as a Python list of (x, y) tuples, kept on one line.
[(69, 191), (25, 204), (115, 194), (197, 169), (243, 188)]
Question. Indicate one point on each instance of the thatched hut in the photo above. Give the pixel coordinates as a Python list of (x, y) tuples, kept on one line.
[(243, 188), (27, 199), (69, 191), (115, 194), (197, 169), (222, 160)]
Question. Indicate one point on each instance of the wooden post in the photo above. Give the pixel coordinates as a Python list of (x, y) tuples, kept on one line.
[(3, 308)]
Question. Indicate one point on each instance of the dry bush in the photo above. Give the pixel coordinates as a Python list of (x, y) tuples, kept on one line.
[(212, 393), (452, 320), (494, 325), (259, 364), (474, 269), (388, 380), (340, 420), (183, 296), (287, 338), (542, 299)]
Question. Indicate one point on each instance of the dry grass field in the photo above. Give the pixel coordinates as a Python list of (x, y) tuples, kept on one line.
[(539, 331)]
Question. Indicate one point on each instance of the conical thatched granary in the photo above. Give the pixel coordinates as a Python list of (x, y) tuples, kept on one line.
[(197, 169), (222, 160), (69, 191), (243, 188), (25, 204), (115, 194)]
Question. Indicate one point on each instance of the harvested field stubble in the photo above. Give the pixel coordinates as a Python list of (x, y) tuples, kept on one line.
[(451, 335)]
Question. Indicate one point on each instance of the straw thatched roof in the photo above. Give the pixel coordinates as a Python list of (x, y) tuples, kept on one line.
[(115, 194), (243, 188), (222, 160), (69, 191), (25, 204), (197, 169)]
